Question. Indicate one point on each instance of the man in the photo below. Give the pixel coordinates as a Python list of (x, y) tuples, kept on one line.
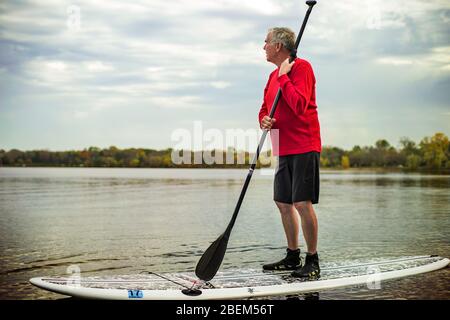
[(296, 183)]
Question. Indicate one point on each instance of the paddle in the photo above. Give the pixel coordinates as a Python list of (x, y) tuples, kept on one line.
[(212, 258)]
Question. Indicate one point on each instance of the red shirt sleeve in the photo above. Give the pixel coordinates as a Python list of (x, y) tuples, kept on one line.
[(296, 87)]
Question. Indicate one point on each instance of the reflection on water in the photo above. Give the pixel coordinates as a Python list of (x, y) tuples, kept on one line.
[(124, 221)]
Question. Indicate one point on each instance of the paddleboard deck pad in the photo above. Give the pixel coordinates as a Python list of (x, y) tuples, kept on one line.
[(237, 283)]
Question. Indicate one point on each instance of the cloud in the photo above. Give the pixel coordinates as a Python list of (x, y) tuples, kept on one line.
[(395, 61), (97, 66), (184, 60), (220, 84), (437, 61)]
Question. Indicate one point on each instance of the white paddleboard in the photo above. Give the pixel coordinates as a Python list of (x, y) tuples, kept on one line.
[(237, 284)]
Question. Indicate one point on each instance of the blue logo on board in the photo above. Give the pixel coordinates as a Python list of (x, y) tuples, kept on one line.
[(135, 294)]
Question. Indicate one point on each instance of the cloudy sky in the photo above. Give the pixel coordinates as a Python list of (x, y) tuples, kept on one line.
[(75, 74)]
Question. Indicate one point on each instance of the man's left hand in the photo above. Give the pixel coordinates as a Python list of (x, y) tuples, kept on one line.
[(285, 67)]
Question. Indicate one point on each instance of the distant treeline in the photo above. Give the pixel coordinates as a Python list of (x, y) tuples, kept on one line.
[(432, 153)]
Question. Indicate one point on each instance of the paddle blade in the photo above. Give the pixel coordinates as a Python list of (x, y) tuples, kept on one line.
[(212, 258)]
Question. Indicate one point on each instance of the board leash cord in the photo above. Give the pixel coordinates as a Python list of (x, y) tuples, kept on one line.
[(165, 278), (194, 290)]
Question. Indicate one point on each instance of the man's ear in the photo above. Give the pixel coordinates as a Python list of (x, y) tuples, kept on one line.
[(278, 46)]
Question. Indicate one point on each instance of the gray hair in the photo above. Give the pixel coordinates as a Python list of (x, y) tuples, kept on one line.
[(285, 36)]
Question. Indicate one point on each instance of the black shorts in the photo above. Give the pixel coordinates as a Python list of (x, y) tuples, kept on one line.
[(297, 178)]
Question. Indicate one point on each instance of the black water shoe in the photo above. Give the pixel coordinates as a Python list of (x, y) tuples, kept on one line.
[(311, 268), (292, 261)]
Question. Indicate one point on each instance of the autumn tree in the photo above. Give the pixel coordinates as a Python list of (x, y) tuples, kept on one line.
[(435, 151)]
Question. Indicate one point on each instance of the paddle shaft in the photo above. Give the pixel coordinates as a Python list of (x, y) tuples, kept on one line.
[(263, 137)]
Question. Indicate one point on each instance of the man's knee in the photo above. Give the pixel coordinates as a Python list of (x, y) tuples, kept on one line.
[(284, 207), (303, 207)]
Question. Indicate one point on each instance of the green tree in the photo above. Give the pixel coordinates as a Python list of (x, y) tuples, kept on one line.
[(355, 156), (409, 153), (85, 158), (412, 162), (380, 154), (435, 150), (382, 144), (2, 154), (333, 155), (408, 146), (142, 156), (134, 162), (324, 162), (108, 162), (345, 162), (154, 161), (12, 157), (166, 160)]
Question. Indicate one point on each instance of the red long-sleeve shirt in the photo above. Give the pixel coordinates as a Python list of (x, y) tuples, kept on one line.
[(296, 115)]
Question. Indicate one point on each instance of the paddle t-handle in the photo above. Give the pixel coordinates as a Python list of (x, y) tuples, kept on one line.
[(293, 54)]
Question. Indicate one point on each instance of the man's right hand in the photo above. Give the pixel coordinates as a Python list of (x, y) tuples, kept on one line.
[(267, 123)]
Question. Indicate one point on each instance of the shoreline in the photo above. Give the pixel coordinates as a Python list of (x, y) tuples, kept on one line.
[(369, 170)]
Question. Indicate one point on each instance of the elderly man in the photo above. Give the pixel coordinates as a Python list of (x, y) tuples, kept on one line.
[(296, 183)]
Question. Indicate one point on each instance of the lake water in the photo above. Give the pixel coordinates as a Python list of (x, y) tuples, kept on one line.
[(124, 221)]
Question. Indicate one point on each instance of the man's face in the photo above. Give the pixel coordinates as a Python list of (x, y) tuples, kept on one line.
[(270, 48)]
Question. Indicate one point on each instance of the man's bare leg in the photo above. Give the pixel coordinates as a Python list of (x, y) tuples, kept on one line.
[(292, 261), (311, 268), (309, 224), (290, 220)]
